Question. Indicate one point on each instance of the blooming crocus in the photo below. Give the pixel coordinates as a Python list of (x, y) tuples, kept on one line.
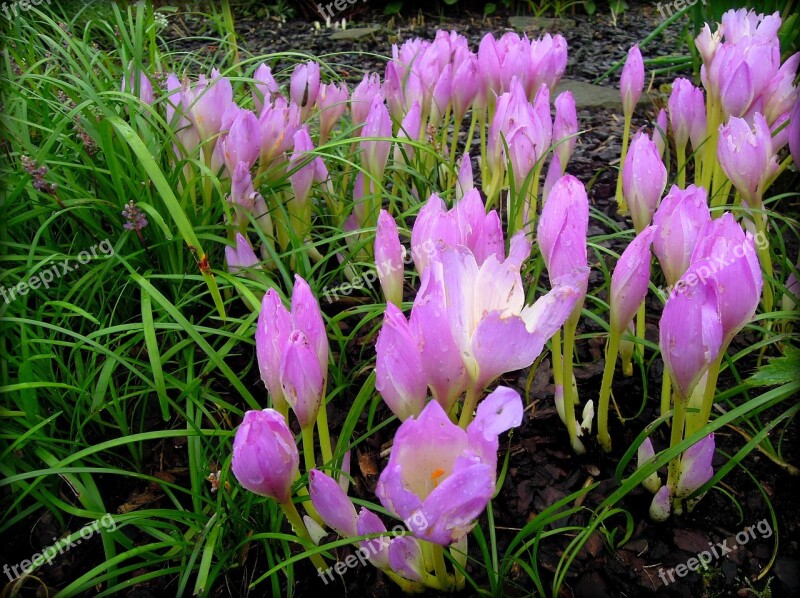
[(565, 127), (389, 258), (631, 82), (465, 86), (440, 477), (734, 270), (332, 504), (361, 99), (375, 152), (548, 62), (176, 111), (686, 106), (264, 88), (781, 93), (207, 102), (279, 122), (331, 104), (302, 379), (304, 87), (265, 458), (644, 178), (690, 329), (440, 98), (680, 219), (242, 142), (311, 168), (144, 90), (485, 308), (241, 255), (399, 369), (630, 280), (274, 331), (747, 157)]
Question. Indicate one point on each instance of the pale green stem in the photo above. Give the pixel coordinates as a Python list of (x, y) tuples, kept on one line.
[(641, 329), (622, 205), (676, 436), (695, 421), (681, 154), (612, 349), (762, 249), (569, 347), (308, 448), (300, 529), (440, 567), (324, 434), (469, 405), (666, 393)]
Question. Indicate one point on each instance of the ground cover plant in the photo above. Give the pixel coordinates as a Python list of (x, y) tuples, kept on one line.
[(273, 325)]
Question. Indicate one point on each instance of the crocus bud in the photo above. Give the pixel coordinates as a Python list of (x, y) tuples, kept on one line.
[(241, 255), (405, 558), (686, 105), (265, 458), (375, 153), (145, 89), (304, 87), (307, 317), (661, 505), (695, 466), (301, 378), (630, 280), (645, 453), (792, 295), (311, 171), (465, 181), (733, 266), (398, 368), (680, 219), (377, 549), (279, 122), (465, 86), (631, 82), (272, 332), (563, 227), (565, 127), (389, 258), (690, 329), (409, 129), (781, 94), (243, 141), (644, 177), (331, 104), (264, 88), (440, 99), (747, 157), (207, 102), (332, 503), (361, 100)]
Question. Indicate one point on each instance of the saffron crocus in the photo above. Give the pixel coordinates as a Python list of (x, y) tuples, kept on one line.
[(548, 62), (375, 152), (644, 454), (143, 90), (332, 503), (273, 331), (686, 105), (279, 122), (695, 467), (405, 558), (562, 228), (629, 283), (304, 87), (739, 282), (747, 157), (241, 255), (264, 88), (302, 378), (207, 102), (389, 258), (467, 223), (361, 99), (680, 219), (311, 168), (466, 81), (440, 477), (631, 82), (265, 458), (331, 104), (485, 308), (399, 368), (565, 127), (242, 143), (644, 178), (690, 329)]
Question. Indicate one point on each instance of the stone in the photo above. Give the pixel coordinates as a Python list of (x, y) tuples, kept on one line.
[(588, 95), (355, 33)]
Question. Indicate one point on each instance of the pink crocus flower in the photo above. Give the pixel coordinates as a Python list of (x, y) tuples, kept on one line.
[(631, 82), (440, 477)]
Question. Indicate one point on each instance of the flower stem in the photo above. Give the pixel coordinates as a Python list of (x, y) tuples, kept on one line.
[(469, 406), (569, 400), (300, 529), (695, 421), (622, 205), (681, 153), (762, 249), (666, 392), (612, 349), (641, 329), (440, 567), (676, 435), (308, 448), (324, 434)]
